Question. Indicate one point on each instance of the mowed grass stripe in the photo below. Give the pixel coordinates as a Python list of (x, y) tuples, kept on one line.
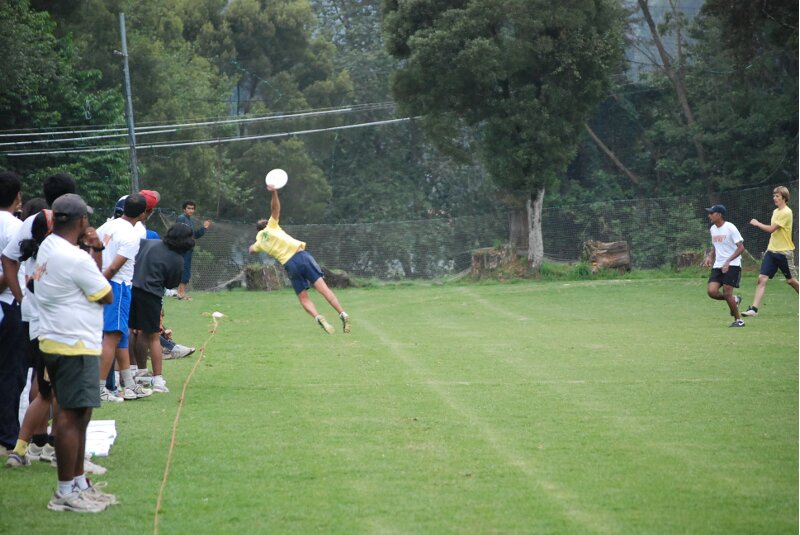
[(459, 397)]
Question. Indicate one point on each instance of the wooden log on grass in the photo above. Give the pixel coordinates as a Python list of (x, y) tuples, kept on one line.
[(602, 255)]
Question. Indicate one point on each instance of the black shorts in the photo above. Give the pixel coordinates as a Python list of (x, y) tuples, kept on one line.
[(74, 379), (36, 361), (145, 311), (731, 278)]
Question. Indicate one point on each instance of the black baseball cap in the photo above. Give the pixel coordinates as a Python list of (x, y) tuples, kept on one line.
[(717, 208)]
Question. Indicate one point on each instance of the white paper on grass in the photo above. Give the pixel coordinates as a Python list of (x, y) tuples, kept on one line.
[(100, 436)]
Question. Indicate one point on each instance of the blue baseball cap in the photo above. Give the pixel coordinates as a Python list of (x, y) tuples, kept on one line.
[(717, 208)]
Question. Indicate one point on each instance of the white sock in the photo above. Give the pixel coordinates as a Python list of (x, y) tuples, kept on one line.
[(80, 482), (116, 379), (127, 378), (317, 317), (134, 369), (102, 385), (65, 487), (343, 314)]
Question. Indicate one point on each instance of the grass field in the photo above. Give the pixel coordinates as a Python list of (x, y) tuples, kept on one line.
[(614, 406)]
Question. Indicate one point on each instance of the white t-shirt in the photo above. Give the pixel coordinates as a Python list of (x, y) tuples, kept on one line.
[(725, 239), (12, 251), (119, 238), (68, 286), (141, 230), (9, 225)]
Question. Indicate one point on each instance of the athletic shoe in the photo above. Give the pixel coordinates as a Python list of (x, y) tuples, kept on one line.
[(327, 327), (107, 395), (48, 453), (91, 468), (16, 460), (144, 377), (160, 385), (738, 323), (136, 392), (345, 324), (94, 493), (178, 352), (44, 453), (35, 452), (75, 502), (751, 312)]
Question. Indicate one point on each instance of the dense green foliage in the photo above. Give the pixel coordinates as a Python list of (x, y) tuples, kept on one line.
[(521, 76)]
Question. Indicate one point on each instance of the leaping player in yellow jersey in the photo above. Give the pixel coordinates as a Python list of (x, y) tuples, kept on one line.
[(303, 270), (780, 249)]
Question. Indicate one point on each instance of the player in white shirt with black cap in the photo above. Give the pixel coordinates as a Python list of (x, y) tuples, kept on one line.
[(725, 261)]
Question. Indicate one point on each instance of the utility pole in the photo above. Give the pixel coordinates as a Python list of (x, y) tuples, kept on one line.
[(129, 106)]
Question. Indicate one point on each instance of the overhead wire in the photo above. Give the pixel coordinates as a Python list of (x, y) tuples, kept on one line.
[(206, 141)]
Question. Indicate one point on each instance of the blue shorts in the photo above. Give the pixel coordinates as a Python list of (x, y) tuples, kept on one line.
[(303, 271), (115, 315), (773, 261)]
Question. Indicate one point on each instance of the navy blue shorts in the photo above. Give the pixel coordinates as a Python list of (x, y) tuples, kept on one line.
[(773, 261), (731, 278), (303, 271), (187, 267)]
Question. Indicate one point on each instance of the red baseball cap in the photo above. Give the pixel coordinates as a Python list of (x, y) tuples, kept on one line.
[(151, 196)]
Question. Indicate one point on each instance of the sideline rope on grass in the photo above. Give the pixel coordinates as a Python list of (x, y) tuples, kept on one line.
[(214, 316)]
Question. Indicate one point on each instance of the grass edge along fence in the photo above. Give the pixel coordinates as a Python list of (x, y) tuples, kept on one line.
[(656, 229)]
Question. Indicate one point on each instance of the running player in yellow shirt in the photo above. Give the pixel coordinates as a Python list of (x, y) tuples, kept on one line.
[(303, 270), (780, 250)]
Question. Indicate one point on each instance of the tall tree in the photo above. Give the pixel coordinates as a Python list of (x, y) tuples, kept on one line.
[(519, 77)]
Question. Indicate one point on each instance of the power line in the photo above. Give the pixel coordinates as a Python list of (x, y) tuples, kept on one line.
[(271, 117), (208, 141)]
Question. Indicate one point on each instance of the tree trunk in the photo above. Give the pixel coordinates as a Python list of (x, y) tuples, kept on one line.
[(680, 88), (519, 231), (535, 242), (611, 156)]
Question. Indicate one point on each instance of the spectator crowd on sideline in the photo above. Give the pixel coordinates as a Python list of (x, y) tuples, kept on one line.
[(82, 308)]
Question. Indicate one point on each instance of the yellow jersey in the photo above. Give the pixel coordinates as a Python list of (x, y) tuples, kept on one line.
[(781, 239), (274, 241)]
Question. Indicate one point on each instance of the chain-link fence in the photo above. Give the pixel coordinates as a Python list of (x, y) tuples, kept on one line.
[(657, 230)]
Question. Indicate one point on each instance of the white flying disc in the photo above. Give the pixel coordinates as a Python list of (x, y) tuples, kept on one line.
[(277, 178)]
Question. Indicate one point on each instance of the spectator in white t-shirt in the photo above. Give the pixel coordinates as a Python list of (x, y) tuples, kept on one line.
[(120, 245), (71, 291), (725, 261)]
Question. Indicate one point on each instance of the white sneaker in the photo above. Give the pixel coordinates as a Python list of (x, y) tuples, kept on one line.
[(48, 453), (35, 452), (75, 502), (178, 352), (136, 392), (107, 395), (91, 468), (96, 495), (160, 385)]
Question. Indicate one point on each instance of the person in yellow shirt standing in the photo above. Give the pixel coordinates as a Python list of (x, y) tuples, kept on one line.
[(780, 250), (302, 268)]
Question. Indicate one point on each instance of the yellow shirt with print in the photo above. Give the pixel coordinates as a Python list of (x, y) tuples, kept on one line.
[(781, 239), (274, 241)]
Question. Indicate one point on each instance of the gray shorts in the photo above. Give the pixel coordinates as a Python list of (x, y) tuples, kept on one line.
[(74, 379)]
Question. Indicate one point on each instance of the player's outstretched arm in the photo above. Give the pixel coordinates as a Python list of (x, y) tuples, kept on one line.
[(275, 206)]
